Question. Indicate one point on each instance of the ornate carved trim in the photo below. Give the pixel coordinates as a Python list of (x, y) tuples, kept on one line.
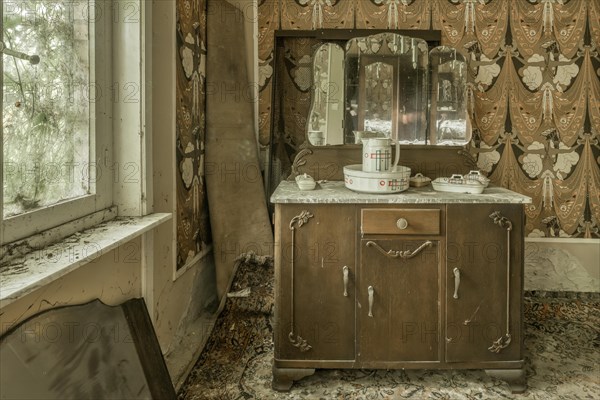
[(397, 253), (298, 342), (504, 341), (299, 161), (500, 343), (297, 222), (502, 221)]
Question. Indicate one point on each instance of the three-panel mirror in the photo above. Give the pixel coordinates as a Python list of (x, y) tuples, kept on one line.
[(388, 85)]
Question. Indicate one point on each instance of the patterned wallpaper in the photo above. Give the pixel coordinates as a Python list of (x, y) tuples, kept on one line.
[(193, 231), (534, 90)]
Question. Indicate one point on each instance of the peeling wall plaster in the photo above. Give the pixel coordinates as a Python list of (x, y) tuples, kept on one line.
[(562, 265)]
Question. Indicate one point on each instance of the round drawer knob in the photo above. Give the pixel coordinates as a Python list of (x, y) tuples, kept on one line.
[(402, 223)]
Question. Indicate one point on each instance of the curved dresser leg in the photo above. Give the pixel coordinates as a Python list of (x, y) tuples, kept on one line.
[(283, 378), (514, 377)]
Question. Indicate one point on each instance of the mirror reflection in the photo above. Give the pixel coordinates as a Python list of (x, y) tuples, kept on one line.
[(380, 87), (386, 80), (448, 103), (326, 119), (377, 102)]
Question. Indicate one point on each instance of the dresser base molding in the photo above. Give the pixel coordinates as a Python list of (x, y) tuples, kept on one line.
[(515, 378), (284, 378), (512, 372), (331, 364)]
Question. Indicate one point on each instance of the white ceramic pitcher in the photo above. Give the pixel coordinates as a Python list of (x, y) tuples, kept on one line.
[(377, 155)]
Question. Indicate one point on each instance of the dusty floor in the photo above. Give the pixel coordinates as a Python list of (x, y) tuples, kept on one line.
[(562, 339)]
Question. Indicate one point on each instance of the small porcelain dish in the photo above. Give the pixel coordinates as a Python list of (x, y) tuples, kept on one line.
[(458, 184), (393, 181), (419, 180), (305, 182)]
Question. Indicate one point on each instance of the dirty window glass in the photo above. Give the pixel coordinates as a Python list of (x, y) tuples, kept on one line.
[(47, 102)]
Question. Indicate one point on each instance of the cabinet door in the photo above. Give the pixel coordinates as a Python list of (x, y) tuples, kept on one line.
[(314, 278), (398, 300), (477, 290)]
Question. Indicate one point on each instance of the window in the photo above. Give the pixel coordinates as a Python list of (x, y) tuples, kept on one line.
[(55, 108)]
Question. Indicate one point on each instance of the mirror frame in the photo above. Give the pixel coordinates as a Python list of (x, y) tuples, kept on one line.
[(327, 162)]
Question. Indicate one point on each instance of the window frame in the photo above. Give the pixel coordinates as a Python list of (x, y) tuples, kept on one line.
[(101, 165)]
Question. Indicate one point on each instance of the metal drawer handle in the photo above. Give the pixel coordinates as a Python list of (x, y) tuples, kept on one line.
[(401, 254), (402, 223), (345, 273), (456, 282), (371, 294)]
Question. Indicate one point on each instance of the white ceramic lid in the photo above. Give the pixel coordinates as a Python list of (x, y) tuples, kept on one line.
[(420, 178)]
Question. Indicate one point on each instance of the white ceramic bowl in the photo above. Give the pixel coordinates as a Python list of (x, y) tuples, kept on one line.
[(393, 181)]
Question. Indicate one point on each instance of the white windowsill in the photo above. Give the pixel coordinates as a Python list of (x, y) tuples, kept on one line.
[(38, 268)]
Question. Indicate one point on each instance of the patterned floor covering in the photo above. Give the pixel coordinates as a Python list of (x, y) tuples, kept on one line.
[(562, 340)]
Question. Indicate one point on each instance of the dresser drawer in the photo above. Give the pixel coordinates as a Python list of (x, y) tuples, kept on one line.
[(400, 221)]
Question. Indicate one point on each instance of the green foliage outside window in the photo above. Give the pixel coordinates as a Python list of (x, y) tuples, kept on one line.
[(46, 107)]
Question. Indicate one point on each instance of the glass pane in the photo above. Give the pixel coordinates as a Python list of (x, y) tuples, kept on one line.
[(448, 101), (379, 83), (46, 107), (386, 88), (326, 117)]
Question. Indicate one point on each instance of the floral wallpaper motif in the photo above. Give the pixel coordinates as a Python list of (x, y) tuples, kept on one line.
[(392, 14), (534, 90), (193, 232), (268, 22), (316, 14)]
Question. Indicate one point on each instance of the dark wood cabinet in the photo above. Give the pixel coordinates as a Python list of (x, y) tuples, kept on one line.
[(398, 298), (482, 252), (314, 312), (435, 285)]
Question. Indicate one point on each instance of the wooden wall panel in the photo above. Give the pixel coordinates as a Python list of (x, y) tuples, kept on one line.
[(238, 213)]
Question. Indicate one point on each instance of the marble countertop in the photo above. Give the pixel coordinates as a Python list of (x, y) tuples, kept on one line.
[(336, 192)]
